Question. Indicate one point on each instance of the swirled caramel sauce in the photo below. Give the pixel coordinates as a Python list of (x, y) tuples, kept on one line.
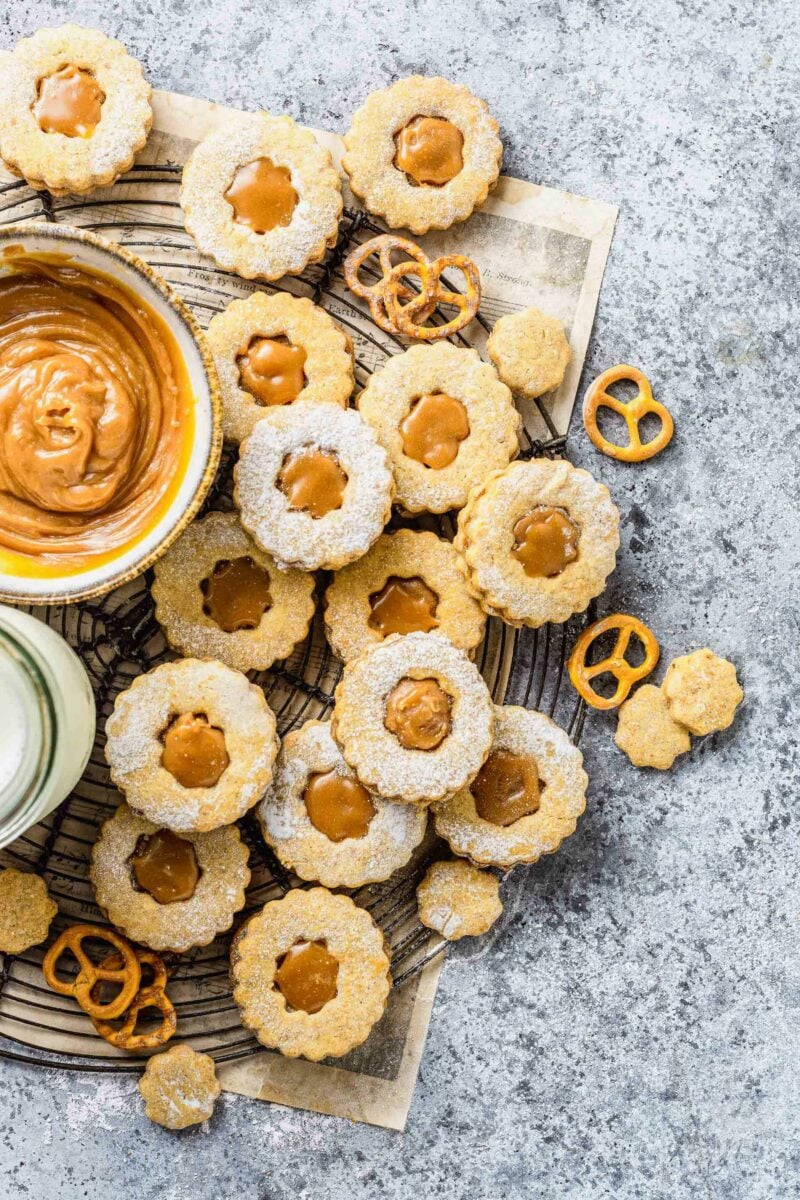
[(418, 713), (96, 417)]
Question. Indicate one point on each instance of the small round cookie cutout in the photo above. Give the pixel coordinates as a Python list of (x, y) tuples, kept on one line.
[(458, 900), (165, 891), (313, 486), (179, 1087), (647, 733), (274, 350), (526, 798), (444, 419), (410, 581), (702, 691), (413, 718), (422, 153), (74, 109), (191, 745), (26, 910), (530, 351), (538, 541), (310, 974), (324, 825), (261, 196), (219, 595)]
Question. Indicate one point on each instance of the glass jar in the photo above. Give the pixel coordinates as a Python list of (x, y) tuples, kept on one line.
[(47, 721)]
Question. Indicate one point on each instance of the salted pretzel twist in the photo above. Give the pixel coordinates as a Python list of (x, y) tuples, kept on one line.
[(153, 995), (632, 412), (615, 663), (127, 973), (398, 308)]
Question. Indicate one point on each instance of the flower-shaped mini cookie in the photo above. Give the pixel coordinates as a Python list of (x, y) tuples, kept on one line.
[(74, 109), (422, 153), (274, 350), (324, 825), (702, 691), (444, 419), (219, 595), (538, 541), (530, 351), (413, 718), (313, 485), (261, 196), (526, 798), (26, 910), (458, 900), (648, 733), (179, 1087), (191, 744), (310, 974), (165, 891), (410, 580)]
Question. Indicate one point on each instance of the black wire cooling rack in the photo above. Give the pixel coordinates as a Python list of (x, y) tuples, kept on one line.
[(118, 637)]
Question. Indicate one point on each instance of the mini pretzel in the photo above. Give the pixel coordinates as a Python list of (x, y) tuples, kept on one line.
[(152, 996), (128, 973), (409, 318), (615, 663), (398, 308), (598, 397)]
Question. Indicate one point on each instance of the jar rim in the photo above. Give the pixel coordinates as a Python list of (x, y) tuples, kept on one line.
[(26, 784)]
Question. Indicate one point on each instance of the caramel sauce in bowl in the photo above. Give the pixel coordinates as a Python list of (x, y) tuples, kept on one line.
[(110, 415)]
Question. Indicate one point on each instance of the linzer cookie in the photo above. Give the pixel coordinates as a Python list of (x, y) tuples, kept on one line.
[(410, 581), (261, 196), (74, 109), (310, 973), (26, 910), (219, 595), (646, 731), (413, 718), (191, 745), (702, 691), (422, 153), (538, 541), (526, 798), (313, 486), (167, 891), (274, 350), (444, 419), (530, 351), (179, 1087), (458, 900), (324, 825)]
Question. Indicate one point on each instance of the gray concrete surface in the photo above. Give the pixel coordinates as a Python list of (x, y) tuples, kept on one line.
[(633, 1034)]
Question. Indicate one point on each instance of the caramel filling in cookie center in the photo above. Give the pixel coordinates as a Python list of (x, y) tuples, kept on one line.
[(261, 195), (69, 102), (165, 866), (403, 606), (429, 150), (545, 542), (236, 594), (271, 370), (506, 788), (338, 807), (307, 975), (194, 751), (434, 429), (313, 482), (418, 714)]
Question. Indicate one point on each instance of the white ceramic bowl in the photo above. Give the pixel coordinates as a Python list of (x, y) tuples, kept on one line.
[(96, 254)]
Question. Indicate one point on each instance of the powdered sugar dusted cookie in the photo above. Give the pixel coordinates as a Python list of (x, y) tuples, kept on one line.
[(702, 691), (530, 351), (191, 744), (179, 1087), (458, 900)]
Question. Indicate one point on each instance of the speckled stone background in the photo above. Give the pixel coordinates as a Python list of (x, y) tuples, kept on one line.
[(633, 1030)]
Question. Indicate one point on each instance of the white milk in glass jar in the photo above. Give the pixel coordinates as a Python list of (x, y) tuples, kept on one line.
[(47, 721)]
